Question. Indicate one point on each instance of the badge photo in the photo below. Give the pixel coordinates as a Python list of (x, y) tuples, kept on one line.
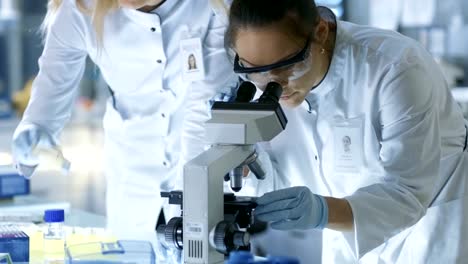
[(348, 145)]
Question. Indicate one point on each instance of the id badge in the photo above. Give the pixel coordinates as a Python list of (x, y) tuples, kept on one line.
[(348, 145), (193, 68)]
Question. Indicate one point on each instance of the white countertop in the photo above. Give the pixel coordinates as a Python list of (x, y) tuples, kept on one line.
[(33, 207)]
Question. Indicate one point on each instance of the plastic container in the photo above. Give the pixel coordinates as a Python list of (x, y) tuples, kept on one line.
[(14, 242), (54, 234), (121, 251)]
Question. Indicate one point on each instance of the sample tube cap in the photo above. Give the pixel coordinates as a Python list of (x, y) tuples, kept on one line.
[(54, 216)]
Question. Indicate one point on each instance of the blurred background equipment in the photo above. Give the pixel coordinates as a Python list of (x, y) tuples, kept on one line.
[(20, 98), (82, 139), (10, 52), (441, 26), (12, 184)]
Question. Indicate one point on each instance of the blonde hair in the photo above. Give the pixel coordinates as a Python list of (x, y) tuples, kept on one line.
[(221, 9), (219, 4), (98, 10)]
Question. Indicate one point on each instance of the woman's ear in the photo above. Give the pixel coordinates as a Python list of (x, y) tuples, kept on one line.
[(321, 32)]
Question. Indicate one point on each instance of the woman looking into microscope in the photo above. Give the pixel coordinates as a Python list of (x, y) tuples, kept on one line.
[(375, 145)]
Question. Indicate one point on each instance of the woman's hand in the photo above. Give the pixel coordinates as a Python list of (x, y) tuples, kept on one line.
[(293, 208), (299, 208)]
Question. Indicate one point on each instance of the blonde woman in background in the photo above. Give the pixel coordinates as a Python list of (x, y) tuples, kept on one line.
[(153, 121)]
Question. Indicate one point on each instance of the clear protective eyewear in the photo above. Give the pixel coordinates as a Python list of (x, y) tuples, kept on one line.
[(280, 75), (287, 70)]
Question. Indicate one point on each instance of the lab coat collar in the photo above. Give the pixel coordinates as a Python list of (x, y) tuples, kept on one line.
[(335, 70), (155, 17)]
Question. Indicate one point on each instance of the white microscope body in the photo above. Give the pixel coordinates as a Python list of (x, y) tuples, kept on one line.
[(233, 131)]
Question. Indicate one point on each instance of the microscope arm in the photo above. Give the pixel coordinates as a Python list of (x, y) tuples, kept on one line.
[(203, 201)]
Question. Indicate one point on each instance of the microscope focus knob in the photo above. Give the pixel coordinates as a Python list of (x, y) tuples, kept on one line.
[(171, 234), (241, 239), (225, 238)]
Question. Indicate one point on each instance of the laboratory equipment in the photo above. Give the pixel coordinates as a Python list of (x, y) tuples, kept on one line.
[(121, 251), (207, 234), (28, 208), (54, 235), (237, 209), (14, 242), (12, 184)]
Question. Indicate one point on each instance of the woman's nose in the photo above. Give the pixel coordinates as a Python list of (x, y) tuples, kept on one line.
[(282, 82)]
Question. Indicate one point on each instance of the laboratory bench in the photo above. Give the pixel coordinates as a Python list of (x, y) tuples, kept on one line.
[(30, 206), (22, 211)]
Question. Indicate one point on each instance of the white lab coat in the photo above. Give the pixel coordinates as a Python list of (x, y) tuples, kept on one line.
[(156, 112), (409, 191)]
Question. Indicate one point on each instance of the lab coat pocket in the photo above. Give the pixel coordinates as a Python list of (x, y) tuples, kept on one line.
[(144, 127), (139, 127)]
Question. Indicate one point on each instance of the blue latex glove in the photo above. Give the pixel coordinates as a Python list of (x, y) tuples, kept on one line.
[(293, 208)]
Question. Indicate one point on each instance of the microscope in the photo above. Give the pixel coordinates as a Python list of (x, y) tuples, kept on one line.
[(214, 223)]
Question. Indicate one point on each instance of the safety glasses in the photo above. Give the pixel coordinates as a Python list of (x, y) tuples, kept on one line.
[(286, 70), (300, 56)]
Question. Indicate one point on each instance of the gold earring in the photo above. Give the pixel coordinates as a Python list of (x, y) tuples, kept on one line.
[(322, 51)]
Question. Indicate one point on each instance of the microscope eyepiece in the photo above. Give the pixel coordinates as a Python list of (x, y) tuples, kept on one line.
[(272, 93), (246, 92)]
